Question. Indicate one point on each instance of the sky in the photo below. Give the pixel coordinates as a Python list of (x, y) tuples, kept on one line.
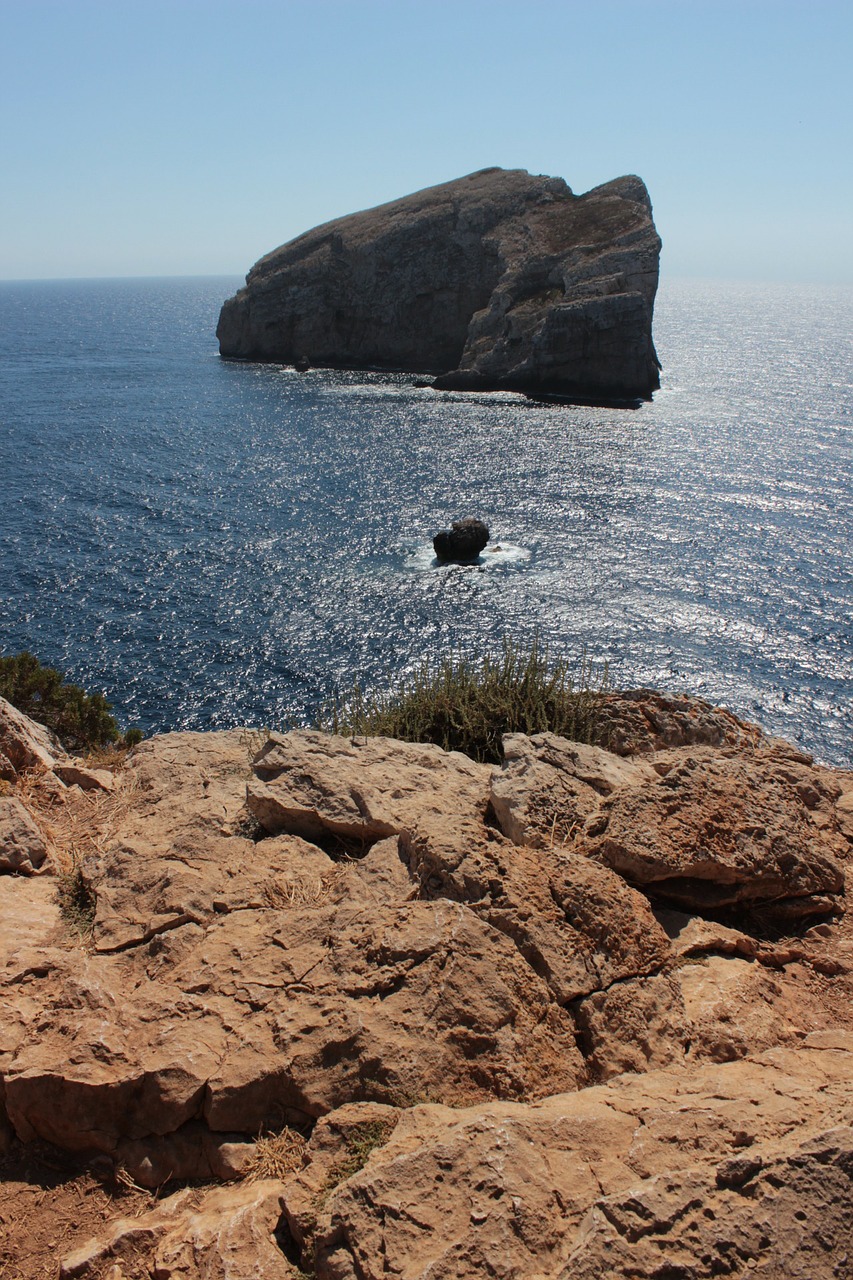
[(191, 137)]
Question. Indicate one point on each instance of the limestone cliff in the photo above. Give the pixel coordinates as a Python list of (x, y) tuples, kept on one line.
[(499, 280)]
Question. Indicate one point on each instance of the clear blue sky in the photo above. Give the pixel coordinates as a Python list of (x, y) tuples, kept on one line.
[(191, 137)]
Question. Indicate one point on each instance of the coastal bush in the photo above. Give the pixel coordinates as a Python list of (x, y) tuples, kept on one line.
[(80, 720), (464, 705)]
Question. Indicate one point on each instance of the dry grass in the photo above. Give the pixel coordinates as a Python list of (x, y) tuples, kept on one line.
[(76, 899), (277, 1156), (78, 824), (282, 894), (254, 740), (112, 756)]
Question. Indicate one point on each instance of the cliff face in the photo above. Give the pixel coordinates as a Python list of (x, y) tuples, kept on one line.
[(499, 280)]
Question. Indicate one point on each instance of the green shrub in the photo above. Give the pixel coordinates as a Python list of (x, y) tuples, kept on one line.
[(80, 720), (467, 706)]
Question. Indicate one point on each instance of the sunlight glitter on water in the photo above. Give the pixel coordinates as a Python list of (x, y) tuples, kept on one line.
[(215, 543)]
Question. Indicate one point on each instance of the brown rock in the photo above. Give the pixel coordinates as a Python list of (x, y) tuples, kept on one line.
[(190, 1152), (578, 925), (22, 845), (271, 1014), (641, 721), (718, 830), (25, 743), (242, 981), (29, 914), (74, 774), (844, 806), (226, 1232), (787, 1215), (363, 789), (634, 1025), (548, 786), (598, 1182), (692, 935)]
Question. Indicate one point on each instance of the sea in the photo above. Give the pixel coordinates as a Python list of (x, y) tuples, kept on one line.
[(213, 543)]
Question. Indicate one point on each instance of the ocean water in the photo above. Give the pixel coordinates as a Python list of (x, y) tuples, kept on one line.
[(213, 543)]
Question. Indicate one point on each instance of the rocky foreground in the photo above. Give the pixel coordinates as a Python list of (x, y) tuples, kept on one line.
[(498, 280), (394, 1013)]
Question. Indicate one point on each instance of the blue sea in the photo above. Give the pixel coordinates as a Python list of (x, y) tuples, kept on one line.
[(215, 544)]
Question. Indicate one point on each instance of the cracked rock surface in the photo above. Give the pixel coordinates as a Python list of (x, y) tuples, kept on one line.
[(583, 1010)]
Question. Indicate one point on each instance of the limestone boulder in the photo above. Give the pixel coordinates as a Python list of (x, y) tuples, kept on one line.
[(786, 1213), (578, 925), (75, 774), (716, 1169), (22, 844), (602, 1181), (548, 787), (498, 280), (718, 830), (265, 1014), (634, 1025), (642, 721), (360, 954), (29, 914), (347, 794), (325, 788), (26, 744), (225, 1232), (844, 805)]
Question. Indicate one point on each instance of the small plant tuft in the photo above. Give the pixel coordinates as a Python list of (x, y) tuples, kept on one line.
[(76, 898), (467, 706), (360, 1141)]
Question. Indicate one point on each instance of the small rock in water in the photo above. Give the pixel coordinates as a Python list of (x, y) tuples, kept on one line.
[(302, 364), (462, 542)]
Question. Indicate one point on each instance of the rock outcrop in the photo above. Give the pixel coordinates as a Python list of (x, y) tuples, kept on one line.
[(499, 280), (463, 541), (566, 1016)]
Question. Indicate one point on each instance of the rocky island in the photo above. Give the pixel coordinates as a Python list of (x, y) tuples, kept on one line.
[(500, 280), (584, 1013)]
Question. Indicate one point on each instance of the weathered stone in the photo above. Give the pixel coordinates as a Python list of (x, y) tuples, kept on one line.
[(844, 807), (192, 1151), (497, 280), (363, 789), (578, 925), (463, 541), (22, 845), (548, 786), (74, 774), (24, 743), (781, 1215), (634, 1025), (226, 1232), (641, 721), (717, 830), (242, 981), (262, 1019), (598, 1182)]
